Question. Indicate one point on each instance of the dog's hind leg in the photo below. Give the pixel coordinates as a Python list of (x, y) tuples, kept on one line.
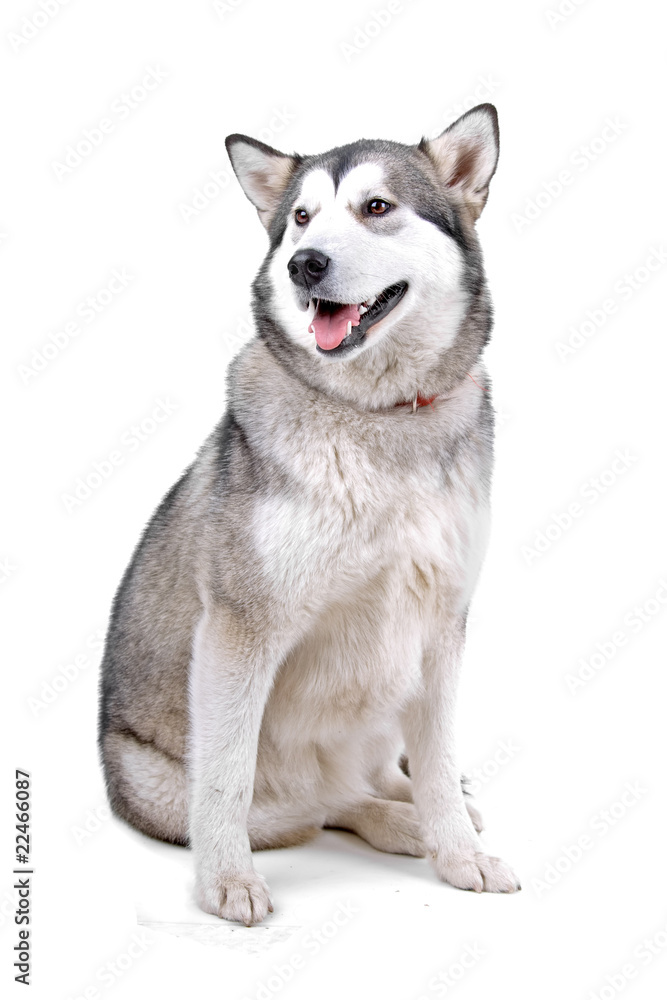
[(146, 787), (391, 783), (388, 826)]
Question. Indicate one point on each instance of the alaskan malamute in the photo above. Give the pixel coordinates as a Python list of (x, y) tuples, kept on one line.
[(293, 619)]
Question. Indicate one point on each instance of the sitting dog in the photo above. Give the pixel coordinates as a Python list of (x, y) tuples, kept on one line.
[(294, 616)]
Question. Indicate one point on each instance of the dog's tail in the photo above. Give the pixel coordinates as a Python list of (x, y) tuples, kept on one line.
[(146, 787)]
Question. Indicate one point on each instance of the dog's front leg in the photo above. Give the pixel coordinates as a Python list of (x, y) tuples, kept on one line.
[(231, 675), (428, 723)]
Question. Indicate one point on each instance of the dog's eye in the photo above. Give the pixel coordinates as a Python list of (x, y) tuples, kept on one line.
[(301, 217), (378, 207)]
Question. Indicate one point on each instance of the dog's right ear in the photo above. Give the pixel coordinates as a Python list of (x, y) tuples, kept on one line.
[(263, 173)]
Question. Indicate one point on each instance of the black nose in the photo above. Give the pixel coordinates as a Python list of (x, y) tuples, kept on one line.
[(307, 267)]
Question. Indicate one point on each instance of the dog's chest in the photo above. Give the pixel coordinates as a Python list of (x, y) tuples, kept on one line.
[(354, 512)]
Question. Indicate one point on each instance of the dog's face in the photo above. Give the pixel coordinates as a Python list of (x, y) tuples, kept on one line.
[(371, 237)]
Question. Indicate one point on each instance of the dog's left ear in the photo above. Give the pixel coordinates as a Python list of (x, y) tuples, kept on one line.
[(466, 154), (263, 173)]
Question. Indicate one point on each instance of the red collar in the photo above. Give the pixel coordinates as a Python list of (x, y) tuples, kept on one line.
[(418, 401), (423, 401)]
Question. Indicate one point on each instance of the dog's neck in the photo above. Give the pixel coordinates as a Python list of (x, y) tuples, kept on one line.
[(400, 369), (417, 401)]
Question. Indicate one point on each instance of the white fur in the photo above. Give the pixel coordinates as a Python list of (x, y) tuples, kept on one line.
[(366, 263), (334, 560), (369, 570), (369, 594)]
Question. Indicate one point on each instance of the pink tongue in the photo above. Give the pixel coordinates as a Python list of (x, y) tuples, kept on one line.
[(331, 328)]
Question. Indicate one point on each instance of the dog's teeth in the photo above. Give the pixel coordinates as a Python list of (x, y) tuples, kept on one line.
[(362, 309), (349, 328)]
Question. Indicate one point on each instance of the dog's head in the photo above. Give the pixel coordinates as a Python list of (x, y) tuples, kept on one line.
[(372, 245)]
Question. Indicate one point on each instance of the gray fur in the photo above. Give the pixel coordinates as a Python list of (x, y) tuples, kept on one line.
[(286, 580)]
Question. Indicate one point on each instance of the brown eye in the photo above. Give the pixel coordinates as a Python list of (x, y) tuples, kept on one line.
[(378, 207), (301, 217)]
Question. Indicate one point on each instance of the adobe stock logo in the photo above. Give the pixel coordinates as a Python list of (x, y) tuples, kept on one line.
[(599, 826), (566, 8), (107, 975), (121, 108), (479, 776), (31, 25), (623, 290), (61, 680), (131, 440), (634, 621), (222, 7), (578, 163), (447, 979), (591, 491), (367, 32), (643, 955), (7, 569), (311, 944), (86, 312)]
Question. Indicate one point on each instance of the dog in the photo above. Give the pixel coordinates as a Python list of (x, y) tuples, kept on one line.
[(293, 618)]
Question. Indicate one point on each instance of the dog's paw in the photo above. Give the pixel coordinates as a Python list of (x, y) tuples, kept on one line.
[(476, 871), (243, 897)]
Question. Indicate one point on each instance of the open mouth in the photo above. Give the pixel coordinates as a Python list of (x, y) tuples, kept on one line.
[(339, 326)]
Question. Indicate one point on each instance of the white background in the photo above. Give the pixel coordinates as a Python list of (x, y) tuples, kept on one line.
[(281, 71)]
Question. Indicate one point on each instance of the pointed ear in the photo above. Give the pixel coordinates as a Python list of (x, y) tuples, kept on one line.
[(263, 173), (466, 154)]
